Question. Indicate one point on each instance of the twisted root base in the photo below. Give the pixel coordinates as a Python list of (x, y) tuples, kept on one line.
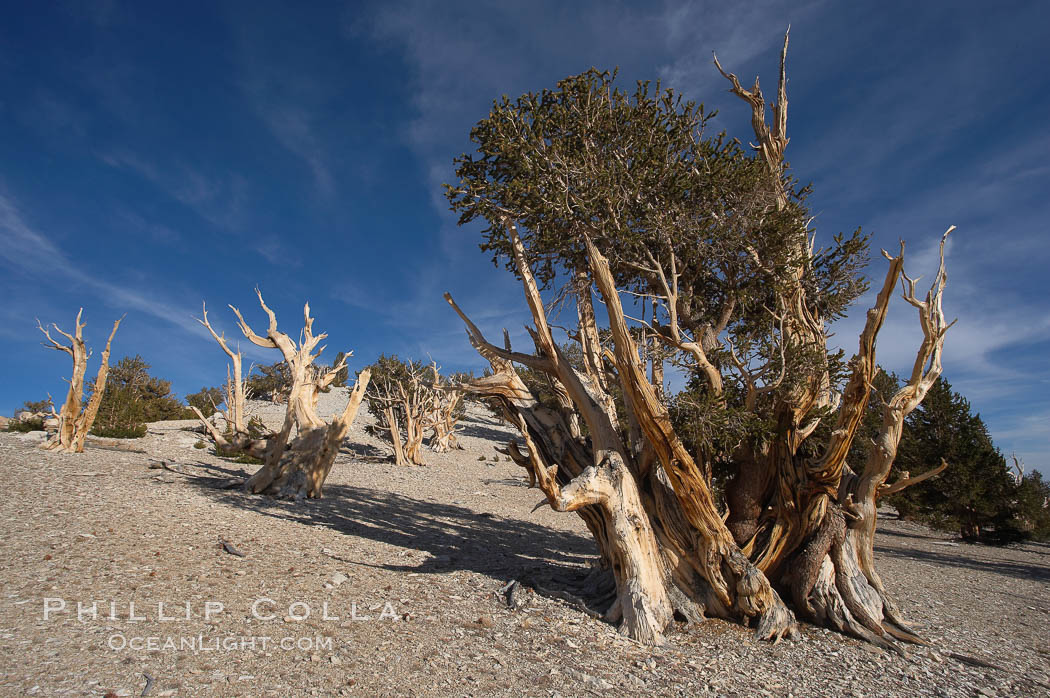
[(301, 471), (839, 595)]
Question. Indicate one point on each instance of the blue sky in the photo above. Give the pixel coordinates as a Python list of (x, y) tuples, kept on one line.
[(152, 158)]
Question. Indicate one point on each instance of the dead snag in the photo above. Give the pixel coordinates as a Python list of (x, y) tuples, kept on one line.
[(75, 418), (412, 401), (293, 465)]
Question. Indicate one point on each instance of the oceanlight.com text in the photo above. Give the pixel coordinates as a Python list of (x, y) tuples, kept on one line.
[(232, 643)]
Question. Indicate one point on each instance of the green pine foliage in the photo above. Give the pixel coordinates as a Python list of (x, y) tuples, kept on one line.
[(133, 397), (34, 424), (638, 172), (36, 406), (271, 382), (975, 494), (1033, 506), (206, 400), (22, 427)]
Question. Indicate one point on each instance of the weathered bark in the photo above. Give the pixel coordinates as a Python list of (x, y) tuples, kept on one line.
[(395, 436), (858, 495), (675, 554), (906, 480), (737, 584), (292, 467), (574, 478), (406, 407), (75, 418), (661, 532), (444, 418), (819, 540), (302, 469)]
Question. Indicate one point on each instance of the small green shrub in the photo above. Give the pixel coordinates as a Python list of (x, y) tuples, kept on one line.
[(121, 431), (200, 444), (256, 428), (271, 382), (26, 426)]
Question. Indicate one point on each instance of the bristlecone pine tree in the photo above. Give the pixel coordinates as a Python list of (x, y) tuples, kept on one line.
[(133, 398), (410, 400), (623, 195), (296, 467), (76, 418)]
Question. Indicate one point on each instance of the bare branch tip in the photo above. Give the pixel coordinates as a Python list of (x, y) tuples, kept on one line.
[(540, 506)]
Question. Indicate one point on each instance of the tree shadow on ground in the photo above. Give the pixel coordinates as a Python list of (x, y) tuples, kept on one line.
[(456, 537), (917, 536), (364, 451), (480, 431), (1009, 568), (236, 470)]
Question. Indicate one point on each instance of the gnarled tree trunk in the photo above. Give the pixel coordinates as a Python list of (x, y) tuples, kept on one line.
[(292, 467), (664, 540), (236, 438), (405, 406), (75, 418), (445, 413), (651, 508)]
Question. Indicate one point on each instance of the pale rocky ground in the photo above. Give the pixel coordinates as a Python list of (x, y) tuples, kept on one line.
[(436, 543)]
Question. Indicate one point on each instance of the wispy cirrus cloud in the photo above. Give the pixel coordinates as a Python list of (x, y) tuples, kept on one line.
[(157, 232), (286, 100), (219, 199), (31, 254), (293, 127), (275, 251), (737, 32)]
